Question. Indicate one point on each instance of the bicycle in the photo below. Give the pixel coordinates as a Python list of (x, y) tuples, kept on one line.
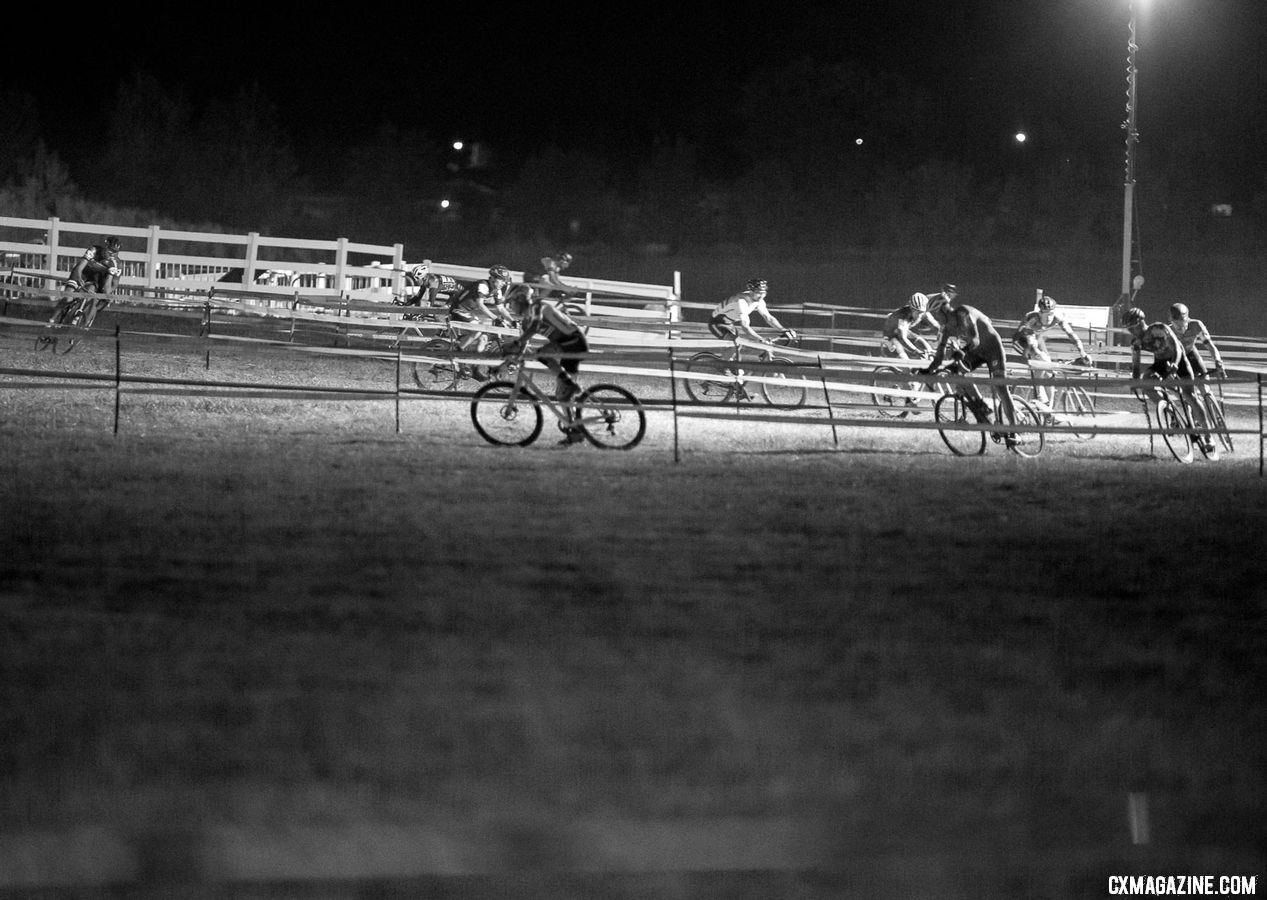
[(887, 379), (446, 373), (726, 380), (1214, 418), (79, 311), (955, 409), (1175, 422), (508, 413), (1073, 401)]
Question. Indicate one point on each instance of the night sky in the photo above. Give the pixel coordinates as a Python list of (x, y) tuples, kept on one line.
[(613, 77)]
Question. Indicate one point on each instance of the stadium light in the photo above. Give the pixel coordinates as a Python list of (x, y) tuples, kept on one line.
[(1130, 284)]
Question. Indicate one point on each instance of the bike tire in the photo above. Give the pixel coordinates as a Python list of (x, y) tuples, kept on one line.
[(890, 378), (442, 374), (1079, 409), (1174, 431), (1027, 443), (952, 410), (505, 417), (79, 315), (704, 390), (786, 393), (610, 417), (1216, 422)]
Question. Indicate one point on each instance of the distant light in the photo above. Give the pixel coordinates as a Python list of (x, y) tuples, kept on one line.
[(858, 141), (1021, 137), (444, 204), (458, 145)]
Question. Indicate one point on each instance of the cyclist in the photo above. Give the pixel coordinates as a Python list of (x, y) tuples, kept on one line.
[(945, 296), (551, 266), (97, 270), (1169, 361), (735, 313), (899, 338), (971, 338), (564, 340), (1029, 341), (480, 302), (429, 288), (1191, 333)]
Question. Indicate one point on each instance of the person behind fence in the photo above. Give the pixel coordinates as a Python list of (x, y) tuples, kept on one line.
[(735, 313), (551, 268), (98, 271), (1029, 340), (1192, 333), (898, 337), (565, 339), (969, 336), (1169, 361), (479, 303), (427, 288)]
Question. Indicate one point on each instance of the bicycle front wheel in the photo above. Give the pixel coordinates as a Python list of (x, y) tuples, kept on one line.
[(80, 315), (504, 416), (1217, 424), (713, 388), (784, 391), (1079, 409), (441, 374), (953, 411), (886, 379), (1174, 431), (1027, 443), (610, 417)]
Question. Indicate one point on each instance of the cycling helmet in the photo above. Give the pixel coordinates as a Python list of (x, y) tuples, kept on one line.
[(1178, 311), (113, 243), (949, 288), (757, 284), (1046, 302), (918, 302), (563, 259), (499, 272), (420, 271), (1134, 316)]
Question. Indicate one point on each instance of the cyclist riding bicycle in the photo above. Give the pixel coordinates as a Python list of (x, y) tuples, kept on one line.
[(98, 271), (565, 339), (735, 313), (1169, 361), (1030, 343), (899, 337), (1191, 333), (551, 267), (970, 337), (480, 302), (428, 288)]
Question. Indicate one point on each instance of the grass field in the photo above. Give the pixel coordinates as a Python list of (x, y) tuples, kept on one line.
[(272, 647)]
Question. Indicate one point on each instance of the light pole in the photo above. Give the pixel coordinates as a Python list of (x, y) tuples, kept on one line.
[(1131, 282)]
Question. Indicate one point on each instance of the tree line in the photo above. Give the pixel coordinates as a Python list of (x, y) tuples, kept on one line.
[(812, 156)]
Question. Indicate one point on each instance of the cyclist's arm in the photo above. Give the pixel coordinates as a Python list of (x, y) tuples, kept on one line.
[(1073, 336), (1204, 335)]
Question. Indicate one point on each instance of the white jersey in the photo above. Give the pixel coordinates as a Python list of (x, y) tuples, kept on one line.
[(740, 307)]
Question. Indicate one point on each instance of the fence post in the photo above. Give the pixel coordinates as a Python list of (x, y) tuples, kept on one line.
[(398, 388), (341, 265), (118, 378), (1259, 376), (151, 258), (252, 254), (54, 242), (673, 404), (822, 376)]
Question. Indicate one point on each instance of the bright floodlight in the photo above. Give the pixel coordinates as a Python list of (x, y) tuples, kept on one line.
[(444, 204), (458, 145), (1021, 137)]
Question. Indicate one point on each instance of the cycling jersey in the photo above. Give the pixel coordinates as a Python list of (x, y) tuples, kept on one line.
[(1035, 324), (1191, 334), (896, 331), (466, 304), (99, 265), (433, 288), (740, 307), (550, 321)]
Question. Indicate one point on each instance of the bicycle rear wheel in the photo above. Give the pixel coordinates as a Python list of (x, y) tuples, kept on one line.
[(706, 390), (1079, 409), (1214, 419), (504, 416), (889, 378), (1174, 431), (1027, 443), (787, 391), (610, 417), (442, 374), (953, 411)]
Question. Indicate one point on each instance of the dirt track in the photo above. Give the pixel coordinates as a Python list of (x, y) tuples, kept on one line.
[(271, 615)]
